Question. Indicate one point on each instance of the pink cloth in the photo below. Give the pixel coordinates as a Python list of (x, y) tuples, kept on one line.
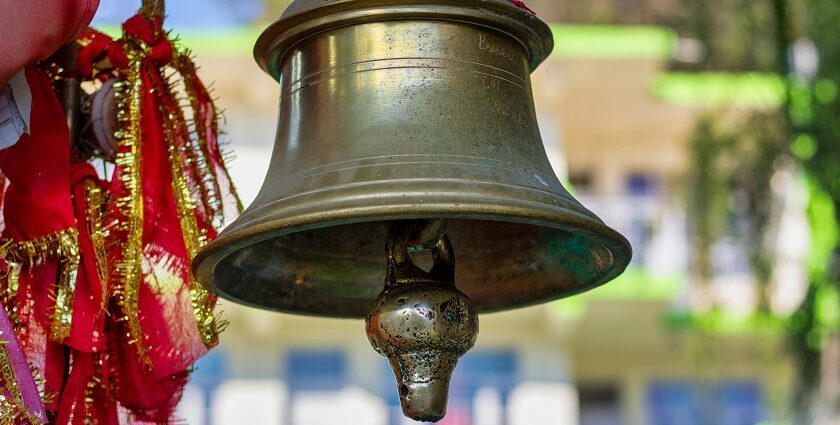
[(33, 30), (25, 381)]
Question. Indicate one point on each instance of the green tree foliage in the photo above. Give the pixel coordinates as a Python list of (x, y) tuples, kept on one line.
[(758, 35), (821, 124), (707, 196), (738, 34), (733, 163), (814, 111)]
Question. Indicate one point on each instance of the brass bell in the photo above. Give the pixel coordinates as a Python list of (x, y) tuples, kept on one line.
[(406, 126)]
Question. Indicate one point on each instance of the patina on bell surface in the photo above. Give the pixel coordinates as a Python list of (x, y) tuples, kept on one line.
[(396, 110), (401, 109)]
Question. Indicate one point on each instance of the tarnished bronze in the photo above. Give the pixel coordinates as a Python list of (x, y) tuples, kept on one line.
[(406, 110), (421, 322)]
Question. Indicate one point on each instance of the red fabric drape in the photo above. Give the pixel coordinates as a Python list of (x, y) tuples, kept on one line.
[(38, 206), (100, 283)]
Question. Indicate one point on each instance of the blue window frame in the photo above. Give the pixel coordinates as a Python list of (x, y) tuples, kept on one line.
[(674, 403), (316, 370), (210, 371), (729, 402), (739, 403)]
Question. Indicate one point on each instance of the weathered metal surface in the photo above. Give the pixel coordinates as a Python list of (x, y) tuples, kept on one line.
[(393, 110), (421, 323), (415, 116)]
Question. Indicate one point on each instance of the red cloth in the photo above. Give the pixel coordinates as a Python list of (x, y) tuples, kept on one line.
[(151, 379), (522, 5), (37, 203), (95, 45), (39, 183), (136, 357), (33, 30), (88, 397), (165, 310), (89, 302)]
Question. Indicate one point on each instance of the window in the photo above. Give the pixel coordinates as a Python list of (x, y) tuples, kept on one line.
[(674, 403), (581, 183), (599, 405), (731, 402), (639, 184), (316, 379), (315, 370)]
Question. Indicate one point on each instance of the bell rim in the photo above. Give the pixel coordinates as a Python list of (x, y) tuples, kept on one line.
[(280, 36), (619, 248)]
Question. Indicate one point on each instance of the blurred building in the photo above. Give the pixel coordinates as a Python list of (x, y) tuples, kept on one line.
[(615, 125)]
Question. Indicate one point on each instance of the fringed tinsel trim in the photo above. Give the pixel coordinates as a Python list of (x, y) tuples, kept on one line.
[(212, 197), (62, 246), (199, 178), (128, 269), (96, 199), (194, 236), (58, 245)]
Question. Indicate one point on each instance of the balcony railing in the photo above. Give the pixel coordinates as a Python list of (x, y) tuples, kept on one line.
[(657, 228)]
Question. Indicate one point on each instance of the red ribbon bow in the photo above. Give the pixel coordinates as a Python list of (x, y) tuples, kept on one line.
[(150, 32), (140, 28)]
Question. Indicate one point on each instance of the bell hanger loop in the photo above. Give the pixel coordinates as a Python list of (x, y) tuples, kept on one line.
[(419, 235)]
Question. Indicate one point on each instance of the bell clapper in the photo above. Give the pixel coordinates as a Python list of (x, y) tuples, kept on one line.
[(420, 321)]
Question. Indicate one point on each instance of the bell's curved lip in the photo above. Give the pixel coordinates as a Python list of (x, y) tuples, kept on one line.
[(267, 227), (305, 19)]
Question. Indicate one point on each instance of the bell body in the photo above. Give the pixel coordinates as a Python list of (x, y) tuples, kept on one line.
[(393, 110)]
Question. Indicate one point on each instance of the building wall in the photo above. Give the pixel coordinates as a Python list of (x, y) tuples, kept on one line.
[(615, 364), (626, 12)]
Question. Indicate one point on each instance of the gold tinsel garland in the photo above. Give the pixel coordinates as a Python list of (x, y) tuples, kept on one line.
[(194, 238), (128, 270), (62, 246), (95, 200), (187, 148)]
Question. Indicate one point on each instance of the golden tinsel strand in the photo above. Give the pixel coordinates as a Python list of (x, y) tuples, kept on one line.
[(95, 199), (128, 270), (62, 315), (194, 237), (10, 291), (62, 246), (58, 245), (186, 67)]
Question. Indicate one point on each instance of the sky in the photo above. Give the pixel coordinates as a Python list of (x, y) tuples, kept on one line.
[(190, 14)]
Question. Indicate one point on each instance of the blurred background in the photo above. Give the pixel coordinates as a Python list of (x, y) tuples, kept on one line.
[(704, 131)]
